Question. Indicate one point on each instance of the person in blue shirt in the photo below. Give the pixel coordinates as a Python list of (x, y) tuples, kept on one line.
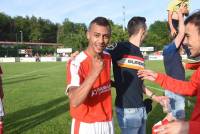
[(174, 68)]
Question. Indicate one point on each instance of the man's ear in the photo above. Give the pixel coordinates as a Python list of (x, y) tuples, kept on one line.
[(141, 31)]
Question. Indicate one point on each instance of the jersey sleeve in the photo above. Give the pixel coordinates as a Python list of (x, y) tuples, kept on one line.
[(188, 88), (73, 77), (192, 66), (194, 127)]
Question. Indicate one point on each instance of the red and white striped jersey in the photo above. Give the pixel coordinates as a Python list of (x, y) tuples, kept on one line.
[(98, 105)]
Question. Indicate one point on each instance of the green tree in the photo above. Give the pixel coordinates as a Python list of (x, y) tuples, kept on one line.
[(6, 27), (118, 34), (72, 35), (158, 35)]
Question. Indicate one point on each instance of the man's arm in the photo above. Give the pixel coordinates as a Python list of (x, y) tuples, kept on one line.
[(192, 66), (181, 30), (177, 86), (175, 127), (180, 127), (172, 29), (158, 99), (77, 95)]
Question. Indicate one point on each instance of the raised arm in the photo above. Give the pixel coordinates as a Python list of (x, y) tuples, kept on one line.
[(181, 29), (172, 29)]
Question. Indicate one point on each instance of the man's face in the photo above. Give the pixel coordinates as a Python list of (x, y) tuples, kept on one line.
[(192, 39), (98, 37)]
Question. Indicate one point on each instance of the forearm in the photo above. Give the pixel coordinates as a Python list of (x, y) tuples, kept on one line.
[(192, 66), (150, 94), (147, 91), (77, 96), (188, 88), (170, 20), (181, 31)]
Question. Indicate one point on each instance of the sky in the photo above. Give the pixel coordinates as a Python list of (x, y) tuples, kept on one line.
[(83, 11)]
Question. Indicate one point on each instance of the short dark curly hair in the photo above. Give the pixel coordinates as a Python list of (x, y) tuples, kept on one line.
[(102, 21)]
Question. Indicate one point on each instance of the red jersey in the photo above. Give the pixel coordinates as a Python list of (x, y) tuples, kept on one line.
[(190, 88), (192, 66), (98, 105)]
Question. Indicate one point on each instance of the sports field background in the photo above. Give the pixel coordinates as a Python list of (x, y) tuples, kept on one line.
[(35, 102)]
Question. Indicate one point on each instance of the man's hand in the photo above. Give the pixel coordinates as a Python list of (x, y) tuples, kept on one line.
[(173, 32), (73, 56), (184, 8), (161, 99), (147, 74), (97, 64), (176, 127)]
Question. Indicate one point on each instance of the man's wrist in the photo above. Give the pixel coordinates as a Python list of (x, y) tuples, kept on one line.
[(151, 96)]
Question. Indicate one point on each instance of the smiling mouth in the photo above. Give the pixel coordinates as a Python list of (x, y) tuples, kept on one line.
[(101, 46)]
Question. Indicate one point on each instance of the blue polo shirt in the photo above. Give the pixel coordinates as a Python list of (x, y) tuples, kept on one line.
[(127, 60), (173, 62)]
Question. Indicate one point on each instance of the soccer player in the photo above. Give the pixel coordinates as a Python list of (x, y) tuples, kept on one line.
[(1, 102), (127, 60), (190, 88), (88, 79)]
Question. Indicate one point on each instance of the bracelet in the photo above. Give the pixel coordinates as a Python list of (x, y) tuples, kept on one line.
[(152, 95)]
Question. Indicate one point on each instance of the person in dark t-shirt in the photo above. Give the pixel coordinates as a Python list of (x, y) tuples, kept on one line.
[(127, 59)]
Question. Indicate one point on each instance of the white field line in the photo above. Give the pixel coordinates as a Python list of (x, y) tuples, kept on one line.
[(157, 89), (38, 70)]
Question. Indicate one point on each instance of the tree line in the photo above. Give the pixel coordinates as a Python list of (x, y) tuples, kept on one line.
[(70, 34)]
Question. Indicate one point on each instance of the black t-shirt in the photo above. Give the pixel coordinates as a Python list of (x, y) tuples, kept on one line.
[(127, 60)]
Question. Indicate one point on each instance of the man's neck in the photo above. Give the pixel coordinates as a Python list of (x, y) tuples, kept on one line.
[(135, 40), (91, 52)]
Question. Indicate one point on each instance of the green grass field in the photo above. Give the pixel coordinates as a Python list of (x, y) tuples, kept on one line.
[(35, 102)]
